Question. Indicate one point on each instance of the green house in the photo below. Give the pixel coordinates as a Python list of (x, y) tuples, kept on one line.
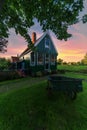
[(43, 58)]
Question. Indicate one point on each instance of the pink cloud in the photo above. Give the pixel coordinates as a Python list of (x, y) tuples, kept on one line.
[(73, 49), (16, 45)]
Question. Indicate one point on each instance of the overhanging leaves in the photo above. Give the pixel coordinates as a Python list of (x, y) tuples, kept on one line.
[(56, 15), (3, 45)]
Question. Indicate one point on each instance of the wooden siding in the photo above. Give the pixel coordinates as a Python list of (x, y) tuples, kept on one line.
[(42, 49)]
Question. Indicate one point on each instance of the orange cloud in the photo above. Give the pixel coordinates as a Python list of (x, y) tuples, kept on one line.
[(74, 49), (71, 55)]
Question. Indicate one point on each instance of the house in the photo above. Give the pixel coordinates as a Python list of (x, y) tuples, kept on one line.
[(14, 61), (43, 58)]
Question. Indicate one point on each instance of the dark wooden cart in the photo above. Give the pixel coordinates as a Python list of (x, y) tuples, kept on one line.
[(70, 86)]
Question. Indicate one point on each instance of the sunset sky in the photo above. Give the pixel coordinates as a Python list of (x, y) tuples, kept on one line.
[(72, 50)]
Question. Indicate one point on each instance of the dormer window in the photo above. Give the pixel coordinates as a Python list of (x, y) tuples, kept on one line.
[(47, 43)]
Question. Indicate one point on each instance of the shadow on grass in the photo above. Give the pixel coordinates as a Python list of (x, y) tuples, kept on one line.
[(31, 109)]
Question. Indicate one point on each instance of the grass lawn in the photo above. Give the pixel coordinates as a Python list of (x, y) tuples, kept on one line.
[(72, 67), (29, 108), (19, 83), (76, 75)]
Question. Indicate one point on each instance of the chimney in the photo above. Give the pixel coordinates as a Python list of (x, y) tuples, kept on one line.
[(33, 37)]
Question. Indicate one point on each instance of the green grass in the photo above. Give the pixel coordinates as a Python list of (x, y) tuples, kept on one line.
[(19, 83), (76, 75), (72, 67), (29, 108)]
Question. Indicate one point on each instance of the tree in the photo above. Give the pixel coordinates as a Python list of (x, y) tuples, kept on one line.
[(56, 15), (4, 63), (3, 45), (79, 63), (65, 63), (84, 60), (60, 61)]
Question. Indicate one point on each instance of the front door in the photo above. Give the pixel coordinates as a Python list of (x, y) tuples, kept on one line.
[(47, 62)]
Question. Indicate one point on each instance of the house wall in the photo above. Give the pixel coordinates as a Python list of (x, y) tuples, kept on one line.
[(51, 51), (40, 48)]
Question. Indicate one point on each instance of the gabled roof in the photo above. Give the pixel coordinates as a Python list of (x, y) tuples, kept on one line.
[(27, 50)]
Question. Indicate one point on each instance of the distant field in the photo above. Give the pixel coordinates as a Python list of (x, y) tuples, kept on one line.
[(81, 68)]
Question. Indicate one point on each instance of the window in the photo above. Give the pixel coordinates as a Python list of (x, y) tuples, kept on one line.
[(47, 61), (40, 58), (46, 57), (23, 65), (53, 59), (32, 60), (27, 56), (47, 43)]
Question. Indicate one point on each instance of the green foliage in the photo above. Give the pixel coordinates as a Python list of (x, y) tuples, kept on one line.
[(84, 60), (30, 108), (4, 64), (60, 61), (84, 19), (55, 15), (9, 75), (3, 45)]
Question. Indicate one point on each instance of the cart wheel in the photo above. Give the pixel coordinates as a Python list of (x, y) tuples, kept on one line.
[(72, 95)]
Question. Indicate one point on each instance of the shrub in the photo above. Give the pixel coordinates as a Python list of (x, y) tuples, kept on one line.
[(39, 74), (8, 75)]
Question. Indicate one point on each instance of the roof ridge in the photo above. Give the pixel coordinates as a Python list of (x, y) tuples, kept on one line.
[(27, 50)]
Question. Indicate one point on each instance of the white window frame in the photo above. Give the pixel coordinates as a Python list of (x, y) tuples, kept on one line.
[(53, 62), (23, 65), (32, 63), (38, 63), (47, 46), (47, 61)]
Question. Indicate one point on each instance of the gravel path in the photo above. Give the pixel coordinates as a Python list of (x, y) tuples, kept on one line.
[(20, 83)]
